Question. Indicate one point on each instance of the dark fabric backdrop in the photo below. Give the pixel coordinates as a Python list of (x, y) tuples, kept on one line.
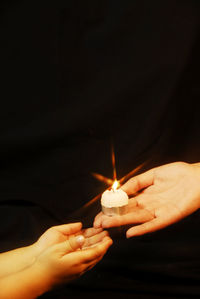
[(74, 80)]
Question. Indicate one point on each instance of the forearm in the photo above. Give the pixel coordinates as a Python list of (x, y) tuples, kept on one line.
[(196, 164), (16, 260), (26, 284)]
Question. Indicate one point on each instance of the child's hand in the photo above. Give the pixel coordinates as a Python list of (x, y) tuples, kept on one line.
[(59, 257), (56, 234), (61, 233), (55, 258), (65, 261)]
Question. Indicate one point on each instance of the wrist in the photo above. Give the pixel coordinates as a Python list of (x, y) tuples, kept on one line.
[(41, 280)]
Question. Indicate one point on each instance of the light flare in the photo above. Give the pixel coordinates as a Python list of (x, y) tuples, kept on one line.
[(113, 163), (102, 178)]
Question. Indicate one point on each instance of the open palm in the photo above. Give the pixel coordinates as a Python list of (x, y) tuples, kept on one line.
[(166, 195)]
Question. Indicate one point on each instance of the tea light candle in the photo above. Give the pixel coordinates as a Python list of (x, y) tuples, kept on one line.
[(114, 201)]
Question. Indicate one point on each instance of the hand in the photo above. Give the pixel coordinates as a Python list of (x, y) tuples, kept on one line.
[(167, 194), (62, 260), (61, 233), (55, 258)]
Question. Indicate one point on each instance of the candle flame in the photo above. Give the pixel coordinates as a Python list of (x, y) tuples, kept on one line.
[(115, 185), (110, 182)]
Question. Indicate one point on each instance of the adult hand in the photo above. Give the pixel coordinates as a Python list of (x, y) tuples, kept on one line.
[(166, 195)]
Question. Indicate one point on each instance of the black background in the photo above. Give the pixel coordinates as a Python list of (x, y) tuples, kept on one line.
[(75, 80)]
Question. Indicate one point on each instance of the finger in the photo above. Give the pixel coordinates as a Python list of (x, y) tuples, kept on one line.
[(98, 251), (139, 182), (137, 216), (132, 203), (89, 265), (134, 208), (148, 227), (89, 232), (76, 242), (97, 220), (71, 245), (99, 217), (93, 240), (142, 200), (93, 253), (68, 229)]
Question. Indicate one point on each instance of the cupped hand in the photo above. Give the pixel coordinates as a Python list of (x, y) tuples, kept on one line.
[(65, 252), (158, 198), (66, 261), (61, 233), (57, 234)]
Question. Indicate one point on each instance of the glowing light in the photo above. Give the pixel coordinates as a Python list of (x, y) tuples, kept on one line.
[(113, 163), (110, 182), (102, 178), (115, 185)]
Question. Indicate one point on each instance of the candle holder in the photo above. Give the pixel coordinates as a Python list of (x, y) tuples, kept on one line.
[(114, 202), (114, 210)]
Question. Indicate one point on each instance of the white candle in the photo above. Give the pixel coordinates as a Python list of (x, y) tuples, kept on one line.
[(114, 202)]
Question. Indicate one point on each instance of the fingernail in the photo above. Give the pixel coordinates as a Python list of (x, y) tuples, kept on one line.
[(80, 239)]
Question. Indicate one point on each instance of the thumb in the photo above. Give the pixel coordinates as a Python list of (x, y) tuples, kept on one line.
[(72, 244), (139, 182), (75, 242)]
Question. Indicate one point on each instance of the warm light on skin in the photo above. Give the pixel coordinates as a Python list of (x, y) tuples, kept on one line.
[(115, 185)]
